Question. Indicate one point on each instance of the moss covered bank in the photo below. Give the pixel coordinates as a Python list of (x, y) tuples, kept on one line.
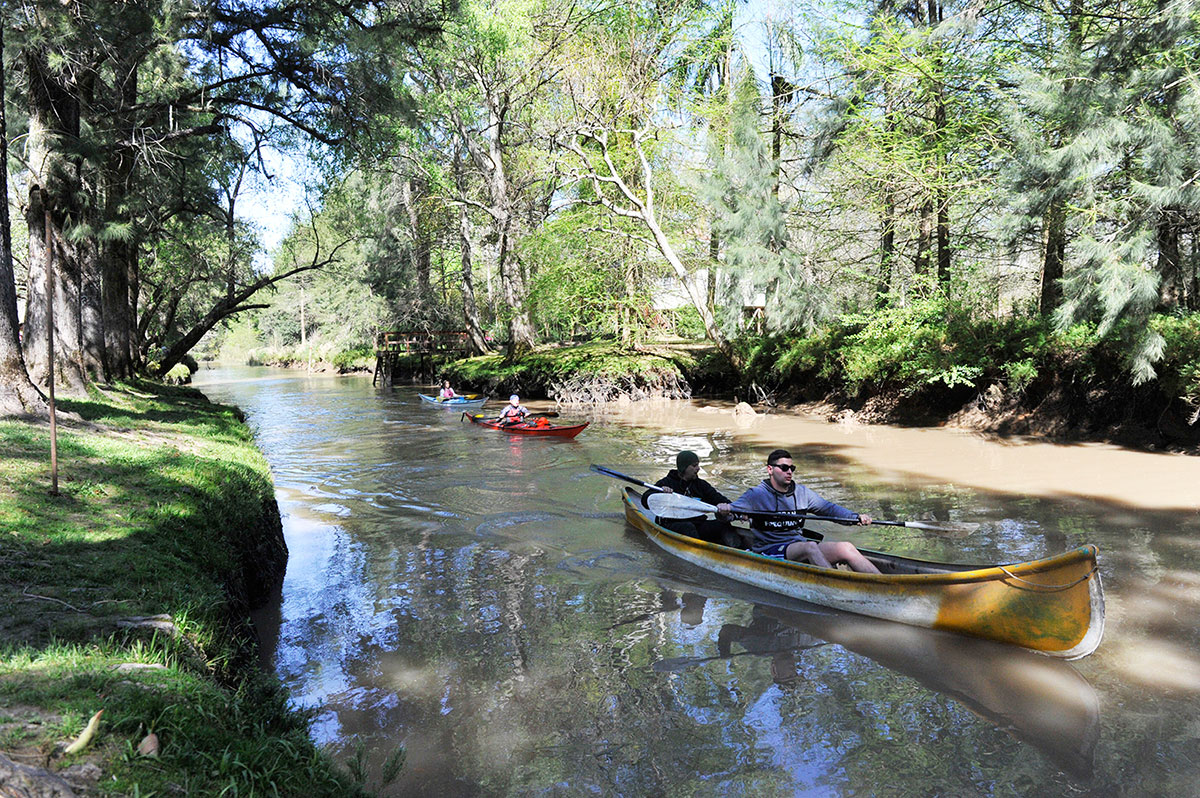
[(129, 593)]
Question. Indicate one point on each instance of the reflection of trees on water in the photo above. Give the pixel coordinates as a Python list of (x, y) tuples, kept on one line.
[(503, 675), (505, 672)]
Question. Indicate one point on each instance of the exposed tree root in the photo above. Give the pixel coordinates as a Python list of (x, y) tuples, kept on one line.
[(587, 389)]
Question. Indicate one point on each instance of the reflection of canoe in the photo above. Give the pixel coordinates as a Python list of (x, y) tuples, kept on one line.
[(1039, 700), (467, 402), (531, 428), (1054, 606)]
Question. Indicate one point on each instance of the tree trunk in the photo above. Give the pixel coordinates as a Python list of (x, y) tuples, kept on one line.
[(714, 251), (53, 121), (120, 254), (1052, 259), (1169, 270), (943, 239), (47, 252), (418, 253), (629, 274), (520, 327), (921, 260), (92, 357), (1193, 281), (470, 307), (887, 239), (780, 88), (18, 396), (118, 317), (941, 198), (475, 333), (137, 335), (887, 250)]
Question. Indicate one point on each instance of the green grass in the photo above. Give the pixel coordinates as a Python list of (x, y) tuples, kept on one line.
[(165, 509)]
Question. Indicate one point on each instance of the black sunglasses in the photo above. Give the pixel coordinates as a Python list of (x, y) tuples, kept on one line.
[(782, 467)]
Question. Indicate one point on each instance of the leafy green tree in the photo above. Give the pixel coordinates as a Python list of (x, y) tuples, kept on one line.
[(752, 223), (482, 83), (1114, 177), (610, 124), (117, 92), (910, 129), (592, 281), (700, 82)]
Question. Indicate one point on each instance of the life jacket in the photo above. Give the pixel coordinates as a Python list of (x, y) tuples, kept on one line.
[(512, 415), (541, 422)]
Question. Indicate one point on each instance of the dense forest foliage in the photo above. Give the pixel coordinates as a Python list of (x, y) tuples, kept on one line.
[(939, 191)]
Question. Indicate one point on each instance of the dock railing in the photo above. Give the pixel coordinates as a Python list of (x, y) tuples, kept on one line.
[(424, 345)]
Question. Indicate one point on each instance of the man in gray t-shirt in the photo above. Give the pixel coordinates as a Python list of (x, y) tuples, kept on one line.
[(783, 537)]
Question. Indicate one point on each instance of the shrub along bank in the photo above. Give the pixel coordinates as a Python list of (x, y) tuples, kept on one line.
[(928, 364), (129, 592)]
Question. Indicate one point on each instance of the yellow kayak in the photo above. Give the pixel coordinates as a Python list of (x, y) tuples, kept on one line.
[(1054, 606)]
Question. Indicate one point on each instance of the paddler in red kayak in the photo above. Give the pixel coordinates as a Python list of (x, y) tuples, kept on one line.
[(513, 413)]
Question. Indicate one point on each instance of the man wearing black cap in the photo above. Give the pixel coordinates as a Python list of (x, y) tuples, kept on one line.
[(685, 479)]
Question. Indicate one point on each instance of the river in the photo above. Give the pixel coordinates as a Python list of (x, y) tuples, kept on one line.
[(478, 601)]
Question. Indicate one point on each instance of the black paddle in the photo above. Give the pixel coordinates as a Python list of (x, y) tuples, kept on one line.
[(676, 505), (608, 472)]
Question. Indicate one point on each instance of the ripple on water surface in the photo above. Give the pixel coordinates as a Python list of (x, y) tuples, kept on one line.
[(453, 583)]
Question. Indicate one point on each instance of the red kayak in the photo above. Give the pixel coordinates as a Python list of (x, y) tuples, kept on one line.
[(536, 427)]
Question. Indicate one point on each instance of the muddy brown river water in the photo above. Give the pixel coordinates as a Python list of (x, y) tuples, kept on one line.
[(478, 600)]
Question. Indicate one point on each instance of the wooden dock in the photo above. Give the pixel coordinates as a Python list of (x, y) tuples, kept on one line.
[(418, 350)]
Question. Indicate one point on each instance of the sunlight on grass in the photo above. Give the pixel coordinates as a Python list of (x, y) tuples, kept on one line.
[(116, 597)]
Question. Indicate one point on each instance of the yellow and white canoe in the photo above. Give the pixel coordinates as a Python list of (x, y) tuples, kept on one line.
[(1054, 606)]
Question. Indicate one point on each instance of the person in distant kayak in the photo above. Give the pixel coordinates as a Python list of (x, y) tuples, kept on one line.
[(514, 412), (447, 392), (782, 537), (685, 479)]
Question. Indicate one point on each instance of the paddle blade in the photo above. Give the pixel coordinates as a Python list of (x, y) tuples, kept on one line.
[(675, 505)]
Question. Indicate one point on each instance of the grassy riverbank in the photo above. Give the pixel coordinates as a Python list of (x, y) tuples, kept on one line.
[(129, 592)]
